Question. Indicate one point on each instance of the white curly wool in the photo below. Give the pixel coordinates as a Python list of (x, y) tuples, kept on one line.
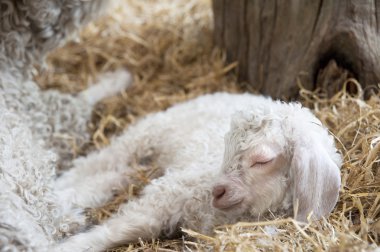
[(36, 125), (224, 158), (30, 215), (26, 203), (59, 120), (30, 29)]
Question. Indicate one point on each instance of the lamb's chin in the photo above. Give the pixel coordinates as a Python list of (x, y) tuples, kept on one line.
[(233, 210)]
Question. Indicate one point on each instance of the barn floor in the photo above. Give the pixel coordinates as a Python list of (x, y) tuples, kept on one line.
[(167, 45)]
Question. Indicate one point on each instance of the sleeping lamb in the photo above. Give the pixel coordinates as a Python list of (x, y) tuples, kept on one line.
[(278, 159)]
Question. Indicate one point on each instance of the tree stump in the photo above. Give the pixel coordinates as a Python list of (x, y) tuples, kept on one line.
[(277, 42)]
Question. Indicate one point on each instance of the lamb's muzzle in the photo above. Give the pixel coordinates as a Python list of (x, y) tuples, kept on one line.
[(218, 192), (222, 198)]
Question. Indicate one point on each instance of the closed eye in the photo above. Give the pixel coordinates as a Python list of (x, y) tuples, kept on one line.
[(261, 163)]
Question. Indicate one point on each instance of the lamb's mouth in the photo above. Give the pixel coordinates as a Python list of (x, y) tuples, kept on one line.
[(226, 207)]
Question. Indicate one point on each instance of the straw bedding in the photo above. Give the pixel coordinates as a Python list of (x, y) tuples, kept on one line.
[(168, 47)]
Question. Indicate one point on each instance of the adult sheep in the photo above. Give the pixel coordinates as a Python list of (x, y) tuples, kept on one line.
[(278, 159), (33, 121)]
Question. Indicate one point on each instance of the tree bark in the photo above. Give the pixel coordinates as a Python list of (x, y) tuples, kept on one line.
[(277, 42)]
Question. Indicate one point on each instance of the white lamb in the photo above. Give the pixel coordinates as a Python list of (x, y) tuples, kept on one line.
[(278, 160)]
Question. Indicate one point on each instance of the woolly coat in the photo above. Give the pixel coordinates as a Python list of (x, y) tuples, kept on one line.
[(195, 146), (33, 123)]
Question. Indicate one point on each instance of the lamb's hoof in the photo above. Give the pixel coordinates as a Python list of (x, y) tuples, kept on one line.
[(74, 223)]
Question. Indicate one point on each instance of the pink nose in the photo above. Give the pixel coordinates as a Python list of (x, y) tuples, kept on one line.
[(218, 191)]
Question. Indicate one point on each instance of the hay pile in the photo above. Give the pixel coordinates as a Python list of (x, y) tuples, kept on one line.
[(168, 47)]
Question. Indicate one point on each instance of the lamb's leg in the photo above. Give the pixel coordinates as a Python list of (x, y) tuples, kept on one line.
[(78, 189), (89, 183), (68, 115), (112, 158), (63, 105), (159, 209), (107, 85), (116, 231), (93, 192)]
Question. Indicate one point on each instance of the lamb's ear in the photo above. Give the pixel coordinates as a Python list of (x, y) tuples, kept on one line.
[(316, 180)]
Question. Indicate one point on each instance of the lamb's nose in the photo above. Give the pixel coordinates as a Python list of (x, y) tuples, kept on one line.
[(218, 191)]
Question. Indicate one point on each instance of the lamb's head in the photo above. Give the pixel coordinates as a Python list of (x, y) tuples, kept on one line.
[(277, 157)]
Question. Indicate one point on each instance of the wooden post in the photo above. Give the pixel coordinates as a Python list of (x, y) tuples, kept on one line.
[(276, 42)]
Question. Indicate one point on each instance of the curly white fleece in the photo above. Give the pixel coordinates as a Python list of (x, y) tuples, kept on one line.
[(32, 122)]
